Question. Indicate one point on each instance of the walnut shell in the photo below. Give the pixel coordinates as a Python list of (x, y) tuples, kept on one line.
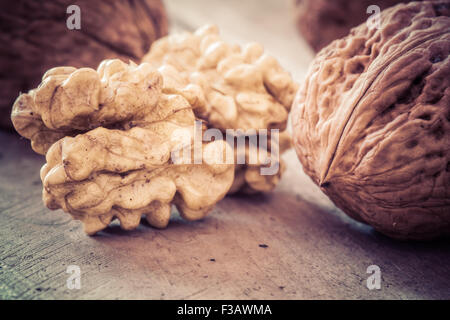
[(35, 38), (371, 123), (322, 21)]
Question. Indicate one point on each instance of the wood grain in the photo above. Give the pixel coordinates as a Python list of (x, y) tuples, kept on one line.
[(291, 244)]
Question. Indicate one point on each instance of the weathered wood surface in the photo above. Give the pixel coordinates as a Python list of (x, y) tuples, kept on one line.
[(313, 250)]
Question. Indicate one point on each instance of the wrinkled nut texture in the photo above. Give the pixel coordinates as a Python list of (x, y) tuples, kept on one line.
[(371, 122), (244, 89), (35, 37), (116, 157), (248, 177), (70, 101), (241, 89), (334, 18)]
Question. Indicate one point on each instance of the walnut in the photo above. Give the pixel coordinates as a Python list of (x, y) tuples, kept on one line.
[(108, 96), (119, 162), (371, 123), (109, 134), (322, 21), (248, 178), (242, 89), (35, 38)]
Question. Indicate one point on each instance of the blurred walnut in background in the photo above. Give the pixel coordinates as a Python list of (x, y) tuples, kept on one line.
[(35, 38), (322, 21)]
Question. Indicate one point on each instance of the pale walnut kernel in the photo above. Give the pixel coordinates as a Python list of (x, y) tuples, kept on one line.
[(242, 89)]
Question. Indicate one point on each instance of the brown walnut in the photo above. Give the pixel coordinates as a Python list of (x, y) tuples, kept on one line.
[(371, 122), (322, 21), (35, 38)]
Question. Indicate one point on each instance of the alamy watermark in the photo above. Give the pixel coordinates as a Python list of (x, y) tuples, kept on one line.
[(258, 151)]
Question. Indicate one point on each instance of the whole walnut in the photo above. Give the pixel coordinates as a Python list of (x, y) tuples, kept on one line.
[(371, 123), (35, 38), (322, 21)]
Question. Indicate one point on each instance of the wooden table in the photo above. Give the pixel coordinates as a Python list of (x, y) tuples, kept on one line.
[(291, 244)]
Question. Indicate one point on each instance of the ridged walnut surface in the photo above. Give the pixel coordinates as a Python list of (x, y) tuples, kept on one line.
[(120, 164), (322, 21), (371, 122), (35, 38), (242, 89)]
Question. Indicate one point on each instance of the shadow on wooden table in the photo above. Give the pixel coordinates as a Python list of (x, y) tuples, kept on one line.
[(276, 246)]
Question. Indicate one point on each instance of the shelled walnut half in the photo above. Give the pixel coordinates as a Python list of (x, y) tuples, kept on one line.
[(322, 21), (242, 89), (35, 37), (109, 136)]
